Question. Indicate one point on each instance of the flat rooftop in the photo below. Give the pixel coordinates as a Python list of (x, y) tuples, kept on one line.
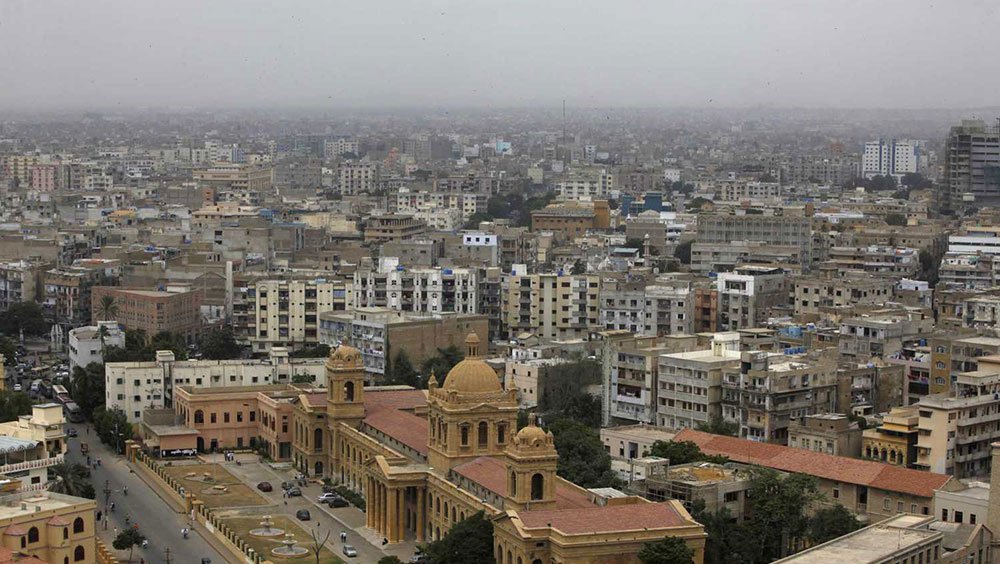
[(17, 505), (871, 544)]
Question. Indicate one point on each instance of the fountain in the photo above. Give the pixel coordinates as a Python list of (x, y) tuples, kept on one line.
[(267, 529), (288, 548)]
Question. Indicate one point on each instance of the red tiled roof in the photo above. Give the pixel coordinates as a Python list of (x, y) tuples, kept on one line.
[(8, 556), (394, 399), (403, 426), (316, 400), (490, 473), (59, 521), (605, 519), (16, 530), (827, 466)]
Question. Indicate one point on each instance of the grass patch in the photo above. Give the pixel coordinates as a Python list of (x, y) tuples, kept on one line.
[(237, 494), (242, 526)]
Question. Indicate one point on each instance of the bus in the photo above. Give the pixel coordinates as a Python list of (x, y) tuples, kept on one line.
[(60, 394), (72, 412)]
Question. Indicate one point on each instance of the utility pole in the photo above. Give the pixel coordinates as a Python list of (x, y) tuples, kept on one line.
[(107, 493)]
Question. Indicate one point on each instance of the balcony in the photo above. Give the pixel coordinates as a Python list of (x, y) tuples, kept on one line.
[(31, 464)]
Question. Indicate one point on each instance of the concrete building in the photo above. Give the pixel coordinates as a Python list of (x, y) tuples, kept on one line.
[(832, 433), (528, 378), (889, 158), (86, 344), (954, 354), (716, 486), (782, 230), (135, 386), (972, 152), (894, 441), (417, 290), (880, 333), (748, 295), (240, 181), (358, 177), (66, 294), (627, 442), (588, 185), (550, 306), (48, 526), (383, 334), (20, 281), (814, 295), (32, 444), (568, 220), (385, 228), (689, 384), (715, 257), (630, 367), (969, 505), (286, 313), (766, 391), (877, 260), (654, 308), (177, 310)]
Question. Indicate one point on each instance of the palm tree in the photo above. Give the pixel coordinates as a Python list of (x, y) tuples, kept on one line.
[(107, 308), (71, 479)]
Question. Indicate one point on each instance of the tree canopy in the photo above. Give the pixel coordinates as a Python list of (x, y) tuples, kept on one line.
[(112, 427), (719, 426), (582, 457), (138, 348), (468, 542), (219, 344), (442, 363), (669, 550), (128, 539), (896, 219), (683, 452), (71, 479), (561, 392), (402, 371), (13, 405), (682, 251), (317, 351), (26, 316), (88, 386), (828, 523)]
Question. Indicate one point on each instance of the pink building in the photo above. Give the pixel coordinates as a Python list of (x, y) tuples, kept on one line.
[(44, 177)]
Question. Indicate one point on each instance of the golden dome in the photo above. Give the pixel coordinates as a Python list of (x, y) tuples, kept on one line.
[(530, 434), (472, 374)]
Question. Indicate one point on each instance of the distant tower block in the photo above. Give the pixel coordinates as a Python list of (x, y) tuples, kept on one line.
[(993, 516)]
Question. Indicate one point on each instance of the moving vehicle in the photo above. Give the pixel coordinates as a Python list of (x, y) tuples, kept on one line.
[(303, 515), (72, 412), (265, 487), (294, 492), (71, 432), (349, 550)]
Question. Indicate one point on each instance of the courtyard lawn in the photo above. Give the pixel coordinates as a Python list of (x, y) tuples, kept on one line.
[(236, 494), (243, 525)]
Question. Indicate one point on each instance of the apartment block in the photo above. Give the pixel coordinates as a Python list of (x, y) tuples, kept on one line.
[(386, 228), (233, 178), (382, 334), (689, 384), (596, 184), (715, 257), (152, 311), (357, 177), (87, 343), (20, 281), (568, 220), (630, 368), (551, 306), (766, 391), (894, 441), (814, 294), (135, 386), (881, 333), (782, 230), (953, 354), (749, 295), (832, 433), (971, 152), (418, 290), (879, 260), (285, 313)]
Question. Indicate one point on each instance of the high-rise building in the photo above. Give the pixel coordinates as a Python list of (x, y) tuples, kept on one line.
[(889, 158), (972, 164)]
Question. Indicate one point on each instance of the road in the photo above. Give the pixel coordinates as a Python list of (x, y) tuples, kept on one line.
[(156, 519)]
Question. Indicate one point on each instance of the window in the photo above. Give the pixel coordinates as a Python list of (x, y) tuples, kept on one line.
[(225, 417), (537, 487), (731, 497), (959, 517), (483, 434), (501, 433), (78, 525), (212, 417), (79, 554), (836, 493), (239, 416), (465, 435), (253, 416), (972, 518), (886, 504), (33, 534)]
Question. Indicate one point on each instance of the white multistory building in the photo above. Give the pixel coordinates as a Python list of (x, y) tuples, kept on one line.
[(886, 158)]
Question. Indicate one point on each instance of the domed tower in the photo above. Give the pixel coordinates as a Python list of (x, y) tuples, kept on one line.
[(470, 414), (345, 396), (531, 469)]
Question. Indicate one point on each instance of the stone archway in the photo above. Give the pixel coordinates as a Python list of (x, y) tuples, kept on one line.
[(318, 470)]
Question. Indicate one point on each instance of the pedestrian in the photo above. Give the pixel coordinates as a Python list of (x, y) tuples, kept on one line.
[(112, 506), (125, 490), (343, 536), (116, 532)]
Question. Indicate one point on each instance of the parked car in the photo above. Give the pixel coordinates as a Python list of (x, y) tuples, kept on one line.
[(71, 432), (17, 387), (265, 487), (419, 559), (349, 550), (329, 489), (294, 492), (337, 502), (326, 496), (303, 515)]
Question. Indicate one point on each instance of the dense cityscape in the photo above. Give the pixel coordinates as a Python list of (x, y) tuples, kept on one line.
[(604, 323)]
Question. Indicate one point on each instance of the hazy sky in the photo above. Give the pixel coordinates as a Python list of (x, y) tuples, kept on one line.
[(365, 53)]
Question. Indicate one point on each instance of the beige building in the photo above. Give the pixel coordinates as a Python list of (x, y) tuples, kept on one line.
[(832, 433), (32, 444), (390, 227), (527, 377), (52, 527), (895, 440), (551, 306), (152, 311), (358, 177), (627, 442), (286, 313), (815, 294), (244, 181), (689, 384)]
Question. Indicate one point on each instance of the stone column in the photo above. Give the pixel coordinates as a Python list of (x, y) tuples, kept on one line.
[(384, 511), (401, 514), (369, 506), (421, 499)]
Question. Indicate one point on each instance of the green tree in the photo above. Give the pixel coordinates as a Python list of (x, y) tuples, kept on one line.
[(390, 560), (930, 263), (219, 344), (71, 479), (317, 351), (683, 452), (8, 349), (303, 378), (579, 267), (112, 427), (477, 218), (88, 387), (682, 252), (670, 550), (107, 308), (128, 539), (560, 389), (779, 511), (403, 371), (443, 362), (26, 316), (696, 205), (582, 458), (13, 405), (895, 219), (831, 522), (165, 340), (719, 426), (467, 542), (727, 541)]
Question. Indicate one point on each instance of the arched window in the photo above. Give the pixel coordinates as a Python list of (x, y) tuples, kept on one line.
[(79, 554), (461, 516), (453, 520), (537, 486), (318, 438), (24, 542), (33, 534), (199, 417), (501, 433), (513, 483), (349, 391), (446, 510), (484, 434), (66, 560), (65, 533), (465, 435), (78, 525), (519, 561), (510, 558), (437, 506)]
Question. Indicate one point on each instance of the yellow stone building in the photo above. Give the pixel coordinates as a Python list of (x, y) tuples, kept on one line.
[(55, 528), (425, 460)]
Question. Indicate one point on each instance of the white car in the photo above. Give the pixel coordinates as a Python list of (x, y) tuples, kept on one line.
[(350, 551), (326, 496), (17, 387)]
